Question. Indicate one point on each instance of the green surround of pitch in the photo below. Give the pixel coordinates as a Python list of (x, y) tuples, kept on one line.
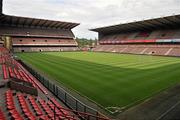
[(111, 80)]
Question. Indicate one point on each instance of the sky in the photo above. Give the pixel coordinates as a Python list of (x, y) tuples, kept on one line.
[(92, 13)]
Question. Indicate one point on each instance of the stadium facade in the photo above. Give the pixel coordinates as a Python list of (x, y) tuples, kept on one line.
[(22, 34), (160, 36)]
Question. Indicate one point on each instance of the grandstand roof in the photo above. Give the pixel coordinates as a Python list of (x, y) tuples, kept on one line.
[(7, 20), (145, 25)]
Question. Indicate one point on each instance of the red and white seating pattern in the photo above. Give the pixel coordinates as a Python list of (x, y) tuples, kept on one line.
[(164, 50), (2, 117), (33, 108), (141, 37), (18, 72)]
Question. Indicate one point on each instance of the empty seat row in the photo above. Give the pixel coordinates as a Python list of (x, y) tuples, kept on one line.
[(164, 50), (35, 113), (17, 71), (35, 106), (27, 77), (38, 85), (5, 72), (9, 100), (15, 115), (48, 111), (59, 106), (2, 117), (11, 72), (25, 107), (59, 112), (2, 60), (37, 109), (48, 108), (11, 106)]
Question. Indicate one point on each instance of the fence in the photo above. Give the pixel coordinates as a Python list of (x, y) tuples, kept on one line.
[(65, 97)]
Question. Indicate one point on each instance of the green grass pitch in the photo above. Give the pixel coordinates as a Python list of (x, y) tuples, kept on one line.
[(111, 80)]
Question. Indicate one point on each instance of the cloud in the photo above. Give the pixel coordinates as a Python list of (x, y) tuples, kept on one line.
[(92, 13)]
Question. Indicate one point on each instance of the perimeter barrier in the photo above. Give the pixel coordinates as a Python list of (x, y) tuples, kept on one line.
[(64, 96)]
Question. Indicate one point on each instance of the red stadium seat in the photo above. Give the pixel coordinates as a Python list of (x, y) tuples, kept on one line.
[(9, 100), (35, 106), (2, 117), (11, 72), (25, 107), (5, 72), (17, 73), (15, 114), (46, 108)]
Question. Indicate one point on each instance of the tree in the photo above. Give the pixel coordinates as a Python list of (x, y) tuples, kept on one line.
[(84, 42)]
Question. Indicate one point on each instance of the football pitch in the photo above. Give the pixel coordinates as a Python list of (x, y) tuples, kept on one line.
[(111, 80)]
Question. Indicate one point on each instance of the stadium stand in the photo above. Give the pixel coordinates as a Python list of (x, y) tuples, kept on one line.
[(23, 96), (23, 34), (164, 50), (159, 36)]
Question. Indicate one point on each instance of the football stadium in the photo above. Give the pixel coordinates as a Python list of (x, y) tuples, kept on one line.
[(131, 74)]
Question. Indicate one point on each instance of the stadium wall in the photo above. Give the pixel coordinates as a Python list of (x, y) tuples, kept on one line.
[(158, 36), (26, 39), (44, 49)]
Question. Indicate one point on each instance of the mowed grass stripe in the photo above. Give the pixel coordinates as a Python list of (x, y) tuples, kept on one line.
[(69, 65), (108, 57), (107, 68), (53, 65), (138, 64), (109, 85), (113, 73), (141, 64)]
